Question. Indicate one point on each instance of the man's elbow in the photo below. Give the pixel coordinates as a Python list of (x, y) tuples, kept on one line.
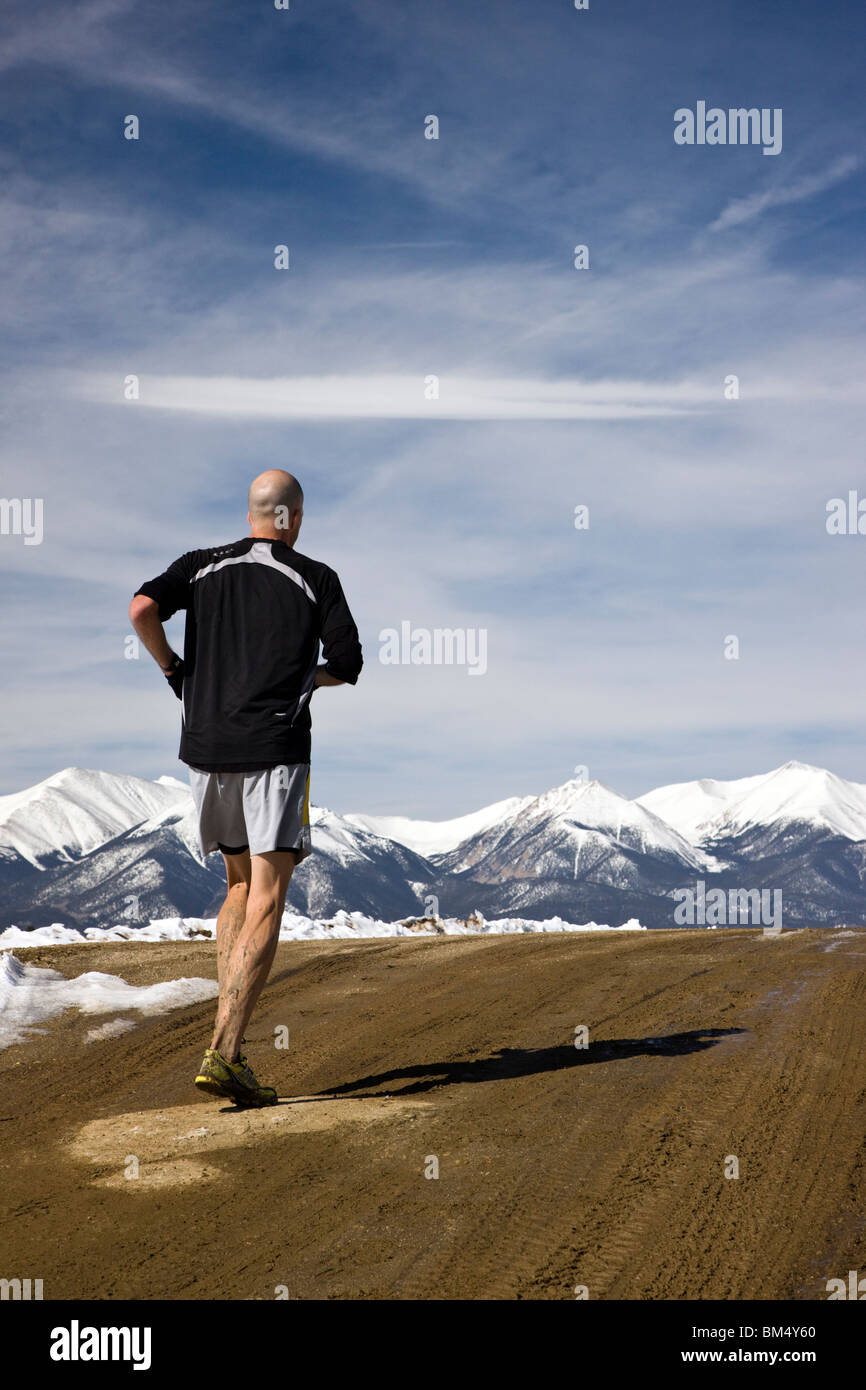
[(140, 607), (344, 668), (347, 676)]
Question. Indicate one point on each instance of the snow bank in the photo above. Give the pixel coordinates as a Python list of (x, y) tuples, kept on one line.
[(342, 926), (30, 995), (346, 925)]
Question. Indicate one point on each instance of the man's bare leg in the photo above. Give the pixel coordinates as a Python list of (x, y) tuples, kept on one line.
[(251, 957), (233, 910)]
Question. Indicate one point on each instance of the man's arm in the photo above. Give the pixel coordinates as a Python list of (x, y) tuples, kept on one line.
[(339, 635), (144, 616), (324, 677), (153, 604)]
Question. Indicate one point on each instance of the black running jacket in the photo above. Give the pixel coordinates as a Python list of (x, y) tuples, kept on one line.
[(256, 611)]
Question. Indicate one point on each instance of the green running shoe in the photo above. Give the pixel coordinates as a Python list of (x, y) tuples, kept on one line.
[(233, 1081)]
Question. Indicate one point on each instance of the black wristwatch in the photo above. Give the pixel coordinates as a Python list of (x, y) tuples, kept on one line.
[(174, 674)]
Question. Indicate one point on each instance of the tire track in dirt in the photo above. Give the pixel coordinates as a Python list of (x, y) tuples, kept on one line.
[(670, 1179), (681, 1227), (566, 1166)]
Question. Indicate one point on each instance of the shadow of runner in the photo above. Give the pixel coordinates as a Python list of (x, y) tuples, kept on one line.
[(511, 1062)]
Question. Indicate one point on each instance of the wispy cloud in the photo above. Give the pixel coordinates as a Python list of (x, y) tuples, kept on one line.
[(747, 209), (456, 395), (395, 397)]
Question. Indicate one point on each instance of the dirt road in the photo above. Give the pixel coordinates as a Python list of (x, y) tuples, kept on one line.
[(603, 1167)]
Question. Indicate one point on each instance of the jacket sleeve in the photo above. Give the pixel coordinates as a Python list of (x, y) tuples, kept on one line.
[(338, 634), (171, 589)]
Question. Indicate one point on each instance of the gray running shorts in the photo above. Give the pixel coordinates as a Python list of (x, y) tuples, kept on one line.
[(259, 811)]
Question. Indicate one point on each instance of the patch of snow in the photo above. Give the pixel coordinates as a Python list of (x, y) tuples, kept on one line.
[(112, 1029), (31, 994)]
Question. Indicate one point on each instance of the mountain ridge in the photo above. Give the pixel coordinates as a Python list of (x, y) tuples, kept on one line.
[(95, 846)]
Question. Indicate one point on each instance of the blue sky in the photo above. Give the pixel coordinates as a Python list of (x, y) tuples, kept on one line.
[(558, 387)]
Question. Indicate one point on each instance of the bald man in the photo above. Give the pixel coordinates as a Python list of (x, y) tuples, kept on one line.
[(256, 612)]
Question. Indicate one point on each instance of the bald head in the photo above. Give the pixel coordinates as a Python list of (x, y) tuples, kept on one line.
[(276, 506)]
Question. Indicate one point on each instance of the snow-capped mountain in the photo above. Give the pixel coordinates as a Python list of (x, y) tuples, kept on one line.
[(429, 837), (581, 842), (76, 810), (798, 829), (152, 869), (550, 833), (795, 795), (351, 865), (591, 806), (94, 849)]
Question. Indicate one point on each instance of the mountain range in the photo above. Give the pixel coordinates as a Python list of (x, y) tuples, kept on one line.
[(90, 848)]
